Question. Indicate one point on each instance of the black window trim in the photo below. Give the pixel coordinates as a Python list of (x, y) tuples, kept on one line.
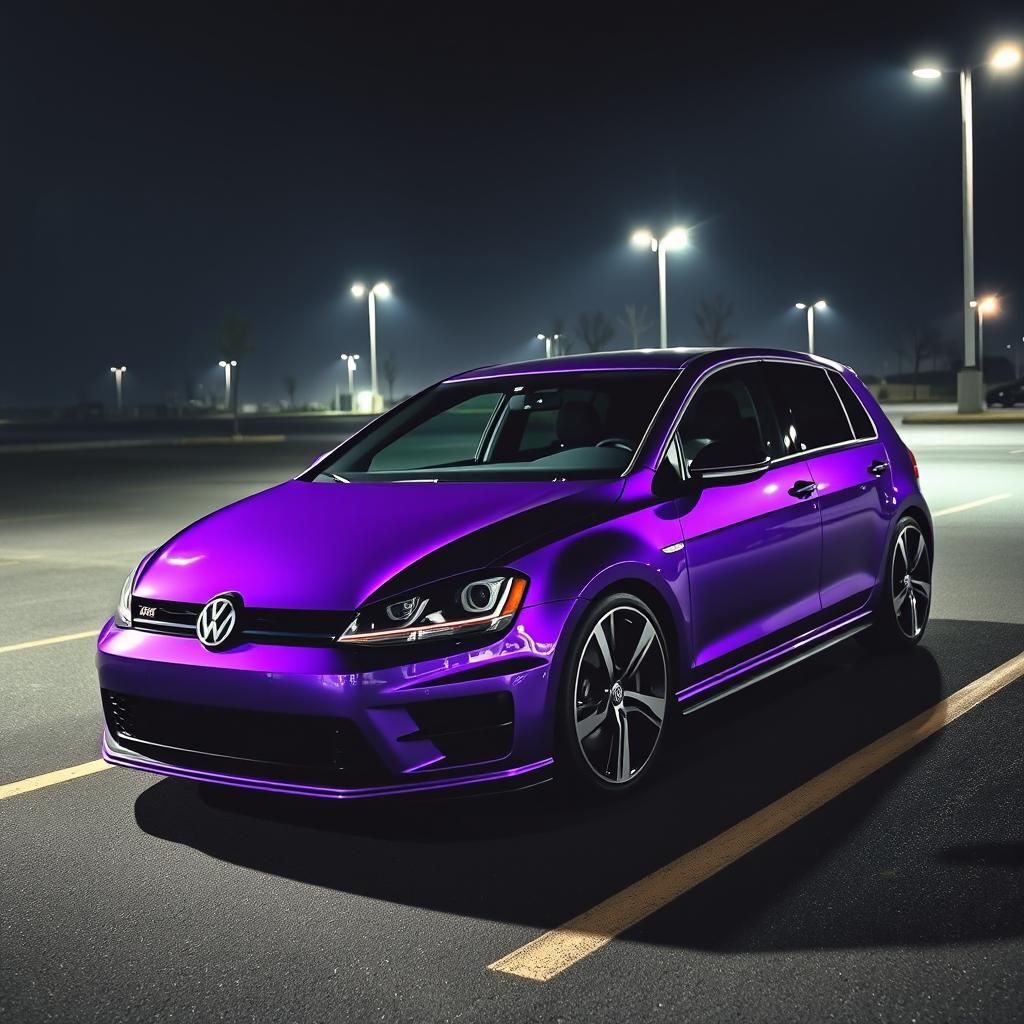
[(842, 405), (867, 414), (824, 366)]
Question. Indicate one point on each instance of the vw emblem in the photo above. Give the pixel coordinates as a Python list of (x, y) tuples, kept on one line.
[(216, 624)]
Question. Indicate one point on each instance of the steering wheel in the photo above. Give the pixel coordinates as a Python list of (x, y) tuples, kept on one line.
[(615, 442)]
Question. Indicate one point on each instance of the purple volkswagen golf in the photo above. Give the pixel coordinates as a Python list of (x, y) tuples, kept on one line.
[(523, 570)]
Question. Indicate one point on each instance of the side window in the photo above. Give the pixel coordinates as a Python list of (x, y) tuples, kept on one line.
[(807, 406), (860, 421), (449, 439), (730, 407)]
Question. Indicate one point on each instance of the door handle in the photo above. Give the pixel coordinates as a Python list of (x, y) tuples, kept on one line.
[(878, 467), (803, 489)]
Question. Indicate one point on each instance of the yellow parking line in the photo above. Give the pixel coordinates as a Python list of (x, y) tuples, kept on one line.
[(26, 644), (967, 505), (553, 952), (52, 778)]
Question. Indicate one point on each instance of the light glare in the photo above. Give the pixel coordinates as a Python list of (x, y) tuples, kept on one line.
[(382, 290), (821, 304), (642, 238), (801, 305), (1005, 57), (677, 238), (927, 73), (358, 290)]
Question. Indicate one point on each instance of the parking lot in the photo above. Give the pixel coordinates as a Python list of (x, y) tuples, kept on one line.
[(130, 897)]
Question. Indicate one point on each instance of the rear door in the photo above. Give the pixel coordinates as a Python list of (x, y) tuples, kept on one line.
[(830, 431), (753, 546)]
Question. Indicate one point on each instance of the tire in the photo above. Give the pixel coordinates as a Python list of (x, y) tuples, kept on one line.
[(905, 600), (615, 683)]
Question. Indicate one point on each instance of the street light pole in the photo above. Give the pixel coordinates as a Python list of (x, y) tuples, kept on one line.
[(227, 364), (549, 340), (989, 304), (118, 372), (811, 307), (350, 361), (676, 238), (382, 290), (969, 395), (969, 384), (663, 295)]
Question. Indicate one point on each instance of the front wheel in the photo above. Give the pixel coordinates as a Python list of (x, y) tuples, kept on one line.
[(903, 605), (614, 700)]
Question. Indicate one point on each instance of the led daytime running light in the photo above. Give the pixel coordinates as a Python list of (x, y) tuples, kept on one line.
[(510, 606)]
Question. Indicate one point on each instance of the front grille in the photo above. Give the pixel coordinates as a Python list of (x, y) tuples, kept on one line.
[(257, 625), (294, 748), (466, 730)]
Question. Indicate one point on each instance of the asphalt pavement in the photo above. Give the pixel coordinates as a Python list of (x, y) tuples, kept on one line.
[(127, 897)]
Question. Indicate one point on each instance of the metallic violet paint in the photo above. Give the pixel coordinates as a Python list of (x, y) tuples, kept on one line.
[(744, 574)]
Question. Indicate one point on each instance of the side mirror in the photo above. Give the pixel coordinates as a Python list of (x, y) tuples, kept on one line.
[(723, 459)]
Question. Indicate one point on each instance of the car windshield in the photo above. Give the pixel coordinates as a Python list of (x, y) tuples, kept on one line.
[(564, 425)]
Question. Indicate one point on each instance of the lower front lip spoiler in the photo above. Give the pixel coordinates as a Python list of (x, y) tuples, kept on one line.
[(513, 778)]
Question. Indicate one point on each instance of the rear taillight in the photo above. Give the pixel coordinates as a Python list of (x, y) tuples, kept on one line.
[(913, 463)]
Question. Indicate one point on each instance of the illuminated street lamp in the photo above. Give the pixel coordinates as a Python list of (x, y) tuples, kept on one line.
[(549, 340), (969, 380), (988, 305), (811, 307), (118, 372), (676, 238), (227, 364), (350, 361), (379, 290)]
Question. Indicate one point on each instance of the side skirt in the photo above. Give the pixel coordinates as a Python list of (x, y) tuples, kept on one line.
[(772, 663)]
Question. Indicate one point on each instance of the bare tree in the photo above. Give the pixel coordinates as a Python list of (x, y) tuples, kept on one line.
[(712, 316), (290, 384), (233, 342), (389, 367), (636, 323), (595, 330)]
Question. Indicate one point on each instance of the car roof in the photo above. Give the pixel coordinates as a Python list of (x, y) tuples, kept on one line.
[(630, 359)]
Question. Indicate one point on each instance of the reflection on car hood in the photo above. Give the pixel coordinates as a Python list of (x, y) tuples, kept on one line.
[(321, 546)]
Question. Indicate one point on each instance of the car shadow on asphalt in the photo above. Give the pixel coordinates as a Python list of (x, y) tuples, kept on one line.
[(539, 857)]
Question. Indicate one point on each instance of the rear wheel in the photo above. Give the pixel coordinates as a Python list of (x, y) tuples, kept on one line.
[(614, 700), (903, 606)]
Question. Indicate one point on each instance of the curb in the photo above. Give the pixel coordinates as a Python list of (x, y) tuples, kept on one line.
[(1005, 416)]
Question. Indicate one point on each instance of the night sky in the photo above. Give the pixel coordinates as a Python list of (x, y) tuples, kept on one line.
[(165, 166)]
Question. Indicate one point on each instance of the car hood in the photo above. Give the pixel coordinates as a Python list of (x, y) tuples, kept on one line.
[(320, 546)]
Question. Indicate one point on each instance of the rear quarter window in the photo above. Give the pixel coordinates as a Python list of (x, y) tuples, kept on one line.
[(863, 428)]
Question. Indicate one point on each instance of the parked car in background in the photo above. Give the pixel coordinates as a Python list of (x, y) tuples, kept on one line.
[(1007, 395)]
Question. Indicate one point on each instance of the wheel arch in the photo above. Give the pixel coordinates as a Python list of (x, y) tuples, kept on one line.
[(920, 515), (629, 578)]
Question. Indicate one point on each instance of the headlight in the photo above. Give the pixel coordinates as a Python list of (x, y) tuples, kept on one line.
[(484, 604), (123, 614)]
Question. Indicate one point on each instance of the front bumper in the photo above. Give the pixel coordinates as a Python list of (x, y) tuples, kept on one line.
[(326, 721)]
